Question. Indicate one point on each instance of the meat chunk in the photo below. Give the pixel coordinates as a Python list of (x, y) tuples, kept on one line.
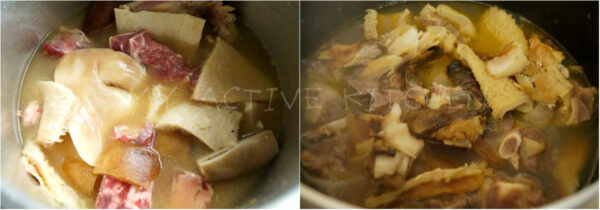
[(521, 191), (462, 76), (457, 23), (424, 122), (164, 61), (326, 150), (101, 80), (142, 137), (542, 80), (370, 24), (57, 104), (117, 194), (31, 114), (217, 127), (508, 147), (250, 154), (579, 106), (219, 16), (509, 62), (432, 183), (66, 41), (344, 56), (501, 93), (461, 133), (396, 134), (381, 65), (183, 37), (190, 191), (442, 95)]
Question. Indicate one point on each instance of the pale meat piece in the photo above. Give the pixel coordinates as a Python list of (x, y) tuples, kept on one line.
[(462, 132), (190, 191), (386, 165), (250, 154), (455, 22), (370, 24), (37, 163), (57, 107), (31, 114), (379, 66), (432, 183), (101, 80), (229, 77), (344, 56), (509, 62), (396, 134), (501, 93), (184, 37), (542, 80), (217, 127), (84, 129)]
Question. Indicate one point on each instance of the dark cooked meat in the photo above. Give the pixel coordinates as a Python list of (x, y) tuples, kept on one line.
[(463, 77), (67, 41), (424, 122), (100, 15), (326, 150), (328, 157), (402, 77), (164, 61), (488, 153), (581, 104)]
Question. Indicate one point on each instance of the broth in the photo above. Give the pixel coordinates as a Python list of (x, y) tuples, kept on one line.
[(227, 193), (561, 140)]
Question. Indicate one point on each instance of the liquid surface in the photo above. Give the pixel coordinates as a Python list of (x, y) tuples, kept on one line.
[(177, 150)]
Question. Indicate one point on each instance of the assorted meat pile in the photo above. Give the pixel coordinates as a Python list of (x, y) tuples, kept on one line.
[(437, 112), (88, 129)]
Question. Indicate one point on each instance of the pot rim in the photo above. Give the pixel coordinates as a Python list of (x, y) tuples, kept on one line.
[(319, 199)]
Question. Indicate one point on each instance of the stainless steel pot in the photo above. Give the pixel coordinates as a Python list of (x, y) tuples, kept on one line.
[(24, 26), (578, 32)]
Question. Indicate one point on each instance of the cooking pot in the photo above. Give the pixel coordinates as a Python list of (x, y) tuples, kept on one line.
[(26, 24), (572, 24)]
